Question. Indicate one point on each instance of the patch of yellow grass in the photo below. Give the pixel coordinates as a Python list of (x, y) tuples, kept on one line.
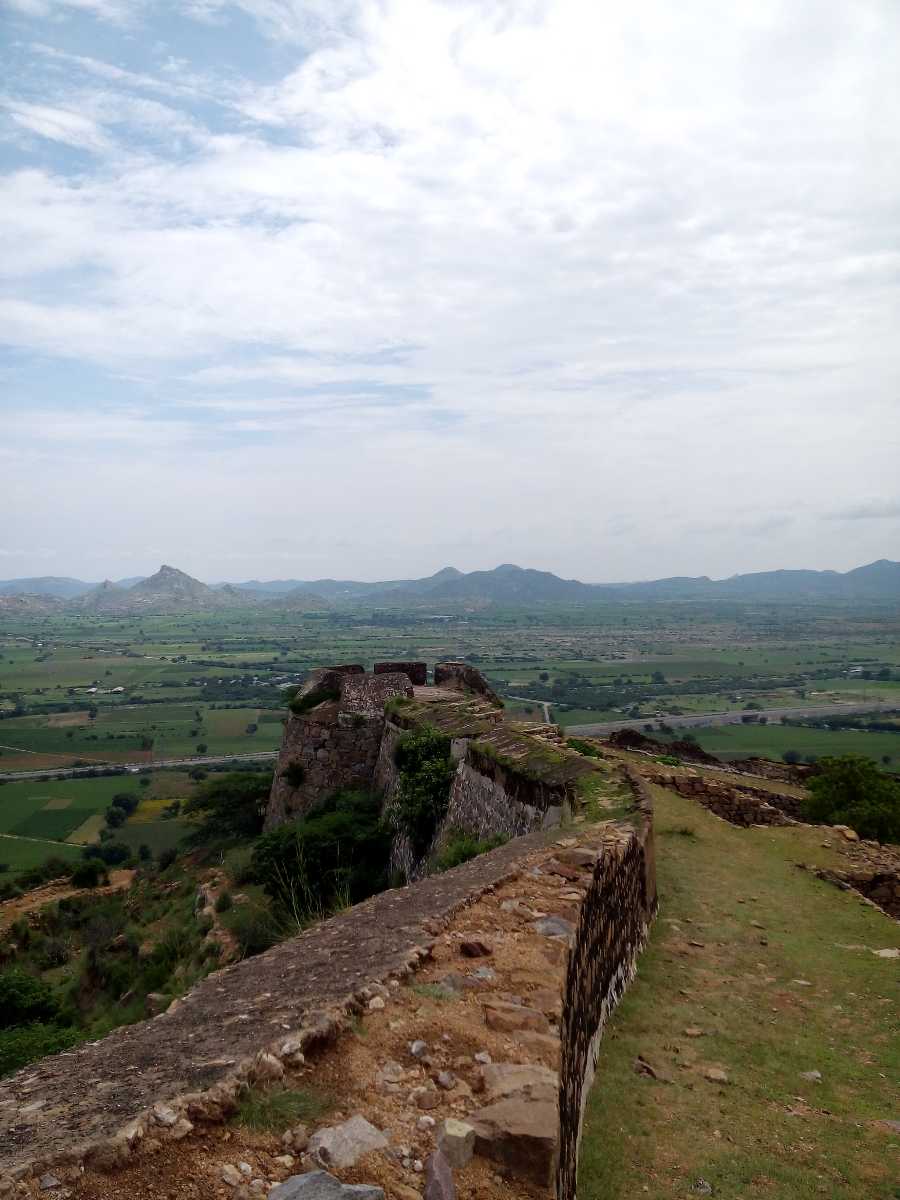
[(88, 831), (55, 803), (150, 809)]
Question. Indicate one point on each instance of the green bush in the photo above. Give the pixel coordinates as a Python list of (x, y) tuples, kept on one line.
[(335, 854), (423, 792), (302, 704), (852, 790), (24, 999), (27, 1043), (89, 874), (230, 807), (223, 902), (255, 928), (461, 847), (294, 774)]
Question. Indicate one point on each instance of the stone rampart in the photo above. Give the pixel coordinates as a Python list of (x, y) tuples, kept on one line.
[(158, 1087), (416, 671), (741, 805)]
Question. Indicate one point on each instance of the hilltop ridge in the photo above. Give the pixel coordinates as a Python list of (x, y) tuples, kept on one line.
[(172, 590)]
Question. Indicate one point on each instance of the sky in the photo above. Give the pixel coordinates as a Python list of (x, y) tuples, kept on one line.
[(363, 288)]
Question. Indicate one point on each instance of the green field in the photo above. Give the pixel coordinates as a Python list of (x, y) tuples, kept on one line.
[(771, 741)]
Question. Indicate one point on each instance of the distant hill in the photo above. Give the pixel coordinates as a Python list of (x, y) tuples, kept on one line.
[(45, 585), (171, 590)]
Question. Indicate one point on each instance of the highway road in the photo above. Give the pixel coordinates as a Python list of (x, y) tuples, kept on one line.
[(698, 720), (196, 761)]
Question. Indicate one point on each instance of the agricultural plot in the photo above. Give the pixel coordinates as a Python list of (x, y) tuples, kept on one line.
[(55, 810), (773, 741)]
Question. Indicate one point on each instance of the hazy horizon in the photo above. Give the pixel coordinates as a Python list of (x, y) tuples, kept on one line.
[(360, 288)]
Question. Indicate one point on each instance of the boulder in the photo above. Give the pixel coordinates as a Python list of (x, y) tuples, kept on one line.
[(544, 1045), (438, 1178), (319, 1185), (507, 1018), (519, 1079), (456, 1141), (519, 1134), (555, 927), (343, 1145)]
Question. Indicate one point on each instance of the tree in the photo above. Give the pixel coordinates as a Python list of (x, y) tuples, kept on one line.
[(115, 816), (658, 677), (232, 806), (852, 790), (201, 747)]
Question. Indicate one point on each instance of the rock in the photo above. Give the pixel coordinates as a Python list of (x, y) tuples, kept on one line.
[(577, 857), (456, 1140), (425, 1123), (400, 1191), (231, 1175), (388, 1077), (519, 1079), (439, 1183), (319, 1185), (692, 1031), (181, 1129), (376, 1004), (156, 1003), (802, 982), (557, 927), (418, 1048), (482, 975), (891, 952), (521, 1136), (482, 1057), (544, 1045), (702, 1188), (296, 1139), (428, 1098), (285, 1161), (715, 1075), (343, 1145), (48, 1182), (507, 1018), (849, 834), (811, 1076), (164, 1114), (267, 1069), (475, 948), (548, 1001), (446, 1080)]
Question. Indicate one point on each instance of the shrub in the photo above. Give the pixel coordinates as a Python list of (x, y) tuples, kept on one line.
[(166, 858), (294, 774), (337, 852), (27, 1043), (89, 874), (423, 793), (852, 790), (232, 806), (111, 853), (303, 704), (255, 928), (224, 902), (461, 847), (24, 999)]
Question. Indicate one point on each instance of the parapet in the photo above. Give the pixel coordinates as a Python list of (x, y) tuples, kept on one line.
[(464, 677), (417, 671)]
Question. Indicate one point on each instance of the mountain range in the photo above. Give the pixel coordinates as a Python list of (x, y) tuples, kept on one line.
[(171, 590)]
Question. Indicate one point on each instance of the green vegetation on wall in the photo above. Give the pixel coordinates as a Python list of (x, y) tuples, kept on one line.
[(423, 791)]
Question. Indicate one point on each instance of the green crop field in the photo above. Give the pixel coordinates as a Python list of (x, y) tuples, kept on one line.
[(55, 809), (771, 741)]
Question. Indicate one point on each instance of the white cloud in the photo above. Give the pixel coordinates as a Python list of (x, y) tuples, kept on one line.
[(635, 260), (59, 125)]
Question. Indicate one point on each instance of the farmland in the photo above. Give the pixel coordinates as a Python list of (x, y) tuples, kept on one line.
[(96, 691)]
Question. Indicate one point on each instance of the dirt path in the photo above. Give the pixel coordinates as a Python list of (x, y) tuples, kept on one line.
[(11, 910)]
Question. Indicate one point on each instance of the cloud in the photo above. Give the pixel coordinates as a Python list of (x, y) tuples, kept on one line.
[(622, 267), (869, 510), (59, 125), (119, 12)]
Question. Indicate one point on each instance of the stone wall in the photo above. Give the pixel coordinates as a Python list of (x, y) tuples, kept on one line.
[(416, 671), (461, 675), (740, 805), (331, 752), (484, 807), (619, 904)]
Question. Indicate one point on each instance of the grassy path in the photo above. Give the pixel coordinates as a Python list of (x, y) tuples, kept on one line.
[(773, 974)]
